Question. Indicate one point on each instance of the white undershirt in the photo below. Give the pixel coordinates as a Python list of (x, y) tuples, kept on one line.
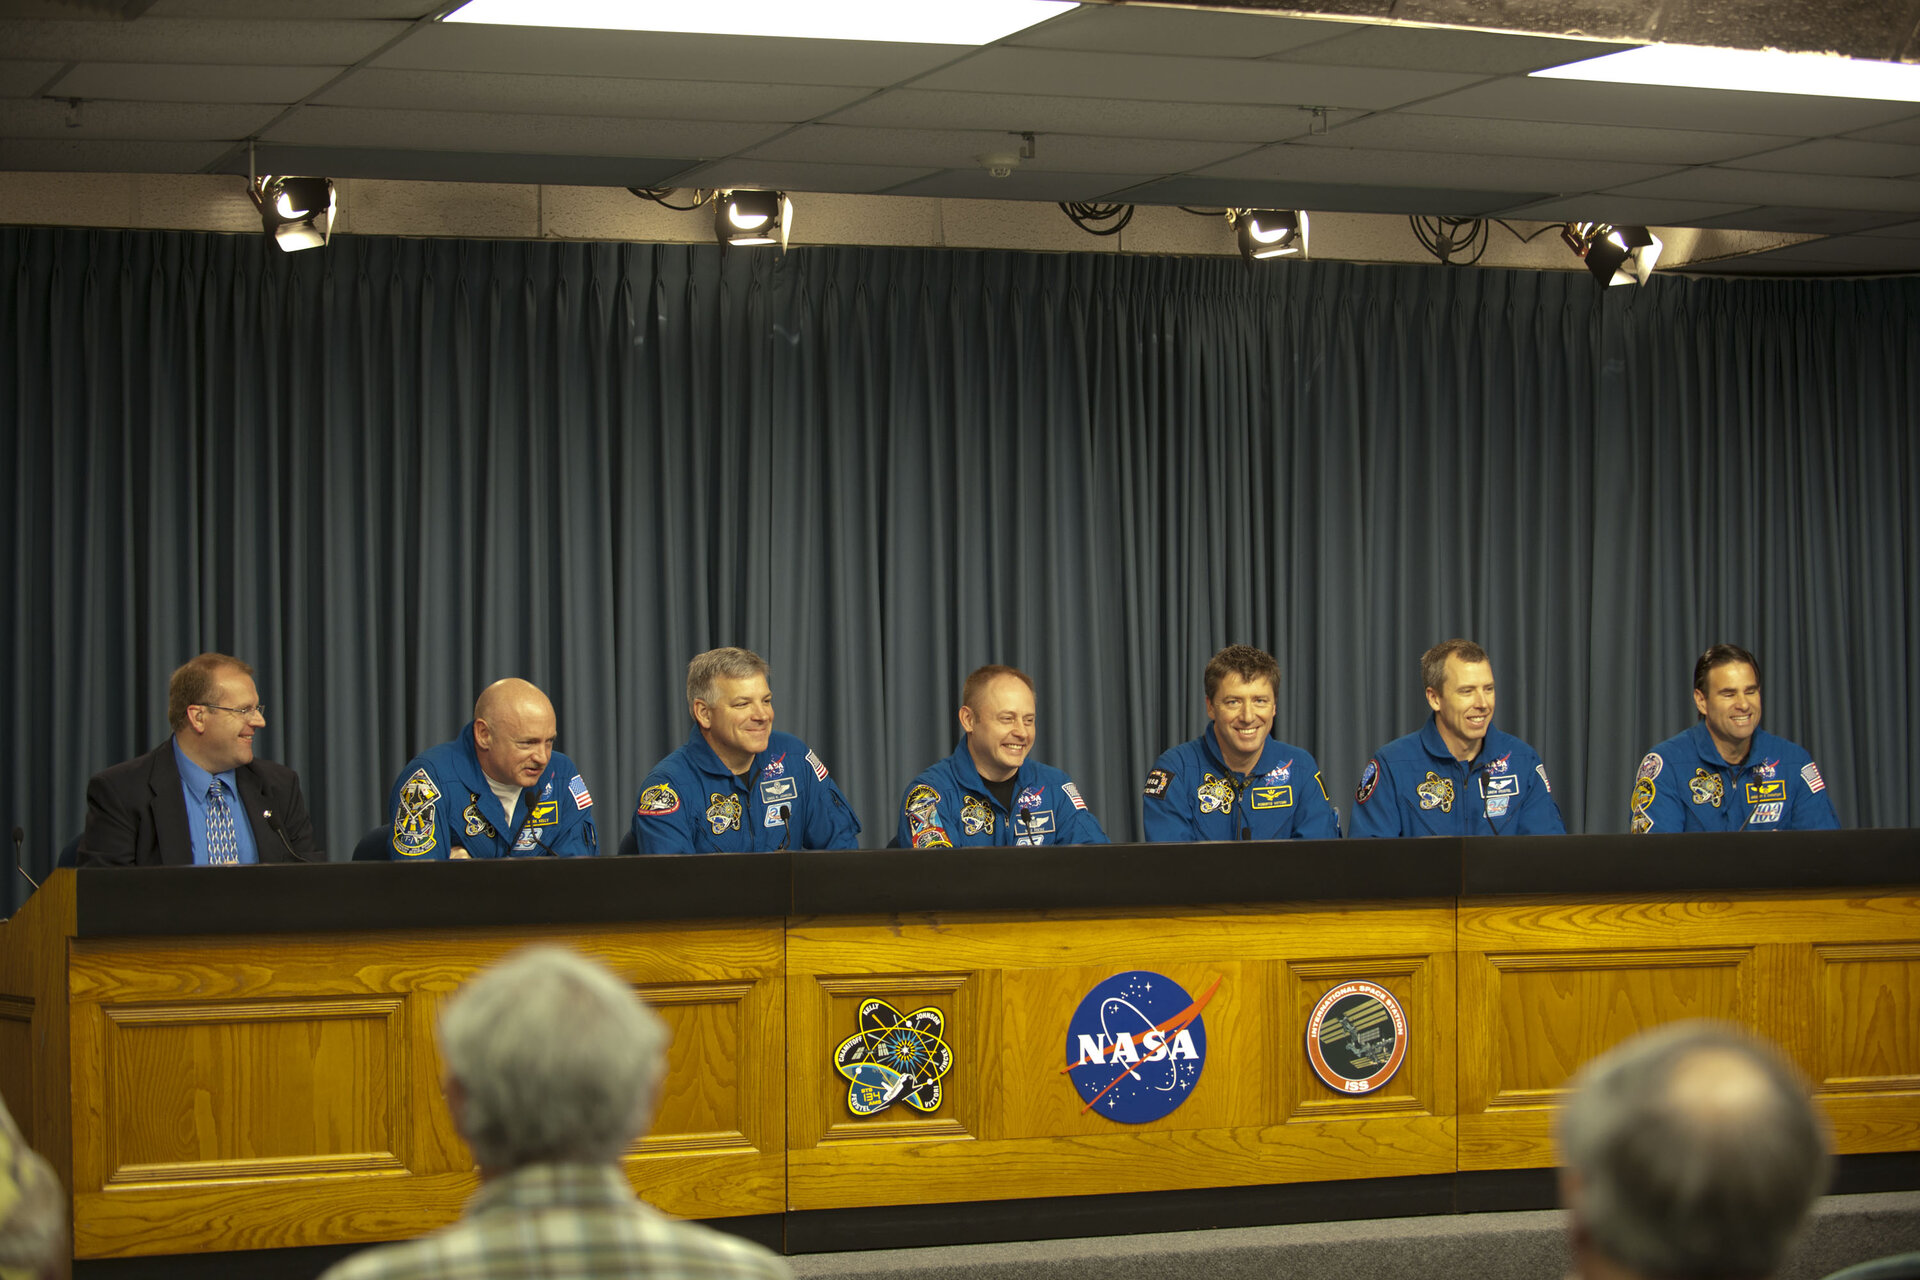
[(509, 800)]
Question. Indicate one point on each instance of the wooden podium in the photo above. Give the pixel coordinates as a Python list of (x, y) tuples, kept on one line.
[(221, 1059)]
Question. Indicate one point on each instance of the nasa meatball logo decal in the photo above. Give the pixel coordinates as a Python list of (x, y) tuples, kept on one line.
[(1356, 1037), (1136, 1045)]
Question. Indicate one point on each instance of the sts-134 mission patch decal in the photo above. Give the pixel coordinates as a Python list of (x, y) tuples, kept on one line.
[(895, 1057), (1356, 1037)]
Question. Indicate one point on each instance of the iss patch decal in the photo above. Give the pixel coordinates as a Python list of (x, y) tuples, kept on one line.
[(894, 1057), (1136, 1045), (1356, 1037)]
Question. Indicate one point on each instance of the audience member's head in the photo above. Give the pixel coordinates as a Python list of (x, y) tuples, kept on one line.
[(1689, 1153), (550, 1059)]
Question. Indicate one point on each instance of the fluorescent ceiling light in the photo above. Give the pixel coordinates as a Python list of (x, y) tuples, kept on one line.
[(1823, 75), (969, 22)]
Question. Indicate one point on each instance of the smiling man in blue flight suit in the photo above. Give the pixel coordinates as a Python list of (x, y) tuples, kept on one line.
[(1727, 773), (736, 786), (1457, 776), (987, 792), (499, 790), (1236, 781)]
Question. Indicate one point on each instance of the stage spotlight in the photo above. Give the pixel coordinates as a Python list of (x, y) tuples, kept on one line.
[(752, 217), (1270, 233), (296, 212), (1615, 255)]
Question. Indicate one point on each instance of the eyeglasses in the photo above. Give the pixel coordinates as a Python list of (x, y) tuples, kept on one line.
[(245, 713)]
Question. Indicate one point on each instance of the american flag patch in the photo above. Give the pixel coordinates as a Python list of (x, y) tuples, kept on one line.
[(582, 798), (1811, 775), (819, 770), (1546, 781), (1073, 794)]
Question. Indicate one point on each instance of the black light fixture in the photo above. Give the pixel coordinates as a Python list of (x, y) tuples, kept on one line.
[(752, 217), (296, 212), (1615, 254), (1270, 233)]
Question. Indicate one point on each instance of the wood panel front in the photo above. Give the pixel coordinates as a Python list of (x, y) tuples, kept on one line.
[(1011, 1123), (241, 1093), (1548, 983)]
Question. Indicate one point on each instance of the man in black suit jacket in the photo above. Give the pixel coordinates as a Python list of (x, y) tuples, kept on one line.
[(137, 812)]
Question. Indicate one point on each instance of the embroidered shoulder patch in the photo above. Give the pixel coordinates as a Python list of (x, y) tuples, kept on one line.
[(1073, 794), (1810, 774), (1369, 779), (659, 800), (1157, 783), (1650, 767), (413, 822)]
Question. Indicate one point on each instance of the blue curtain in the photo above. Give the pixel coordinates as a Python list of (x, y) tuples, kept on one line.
[(390, 471)]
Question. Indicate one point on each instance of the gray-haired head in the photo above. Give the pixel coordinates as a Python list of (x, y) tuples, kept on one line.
[(720, 664), (1693, 1153), (555, 1059)]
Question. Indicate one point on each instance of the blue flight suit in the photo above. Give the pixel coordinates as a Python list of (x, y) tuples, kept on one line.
[(692, 803), (1192, 795), (1414, 787), (948, 806), (1685, 784), (442, 799)]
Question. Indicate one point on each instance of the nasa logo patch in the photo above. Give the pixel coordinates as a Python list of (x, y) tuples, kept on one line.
[(894, 1058), (1136, 1045), (1356, 1037)]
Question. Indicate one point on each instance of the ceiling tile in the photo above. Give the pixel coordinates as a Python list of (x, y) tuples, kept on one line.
[(1575, 101), (263, 41), (24, 79), (175, 82), (586, 95), (1121, 28), (1813, 191), (959, 149), (1295, 162), (402, 164), (1333, 197), (794, 176), (388, 10), (1427, 49), (91, 155), (1110, 117), (1898, 230), (975, 184), (1906, 132), (1839, 156), (47, 118), (663, 55), (1818, 221), (1634, 210), (560, 135), (1175, 79), (1405, 131)]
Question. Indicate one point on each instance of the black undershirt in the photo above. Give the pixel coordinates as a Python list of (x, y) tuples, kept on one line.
[(1003, 791)]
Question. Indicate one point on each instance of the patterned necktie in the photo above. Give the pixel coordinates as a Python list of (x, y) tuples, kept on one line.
[(223, 847)]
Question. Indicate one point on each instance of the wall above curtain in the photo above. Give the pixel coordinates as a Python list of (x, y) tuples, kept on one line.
[(392, 470)]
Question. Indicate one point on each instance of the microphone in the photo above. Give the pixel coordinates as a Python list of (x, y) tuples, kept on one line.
[(274, 824), (20, 838), (1239, 786), (786, 827), (1026, 821)]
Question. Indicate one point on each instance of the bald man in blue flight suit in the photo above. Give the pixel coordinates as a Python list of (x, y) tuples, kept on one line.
[(499, 790)]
